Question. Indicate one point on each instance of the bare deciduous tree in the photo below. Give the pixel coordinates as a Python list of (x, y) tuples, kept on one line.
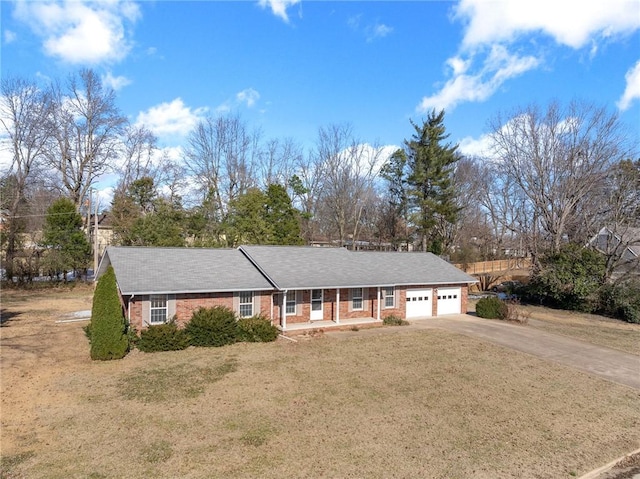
[(349, 172), (222, 154), (277, 162), (138, 147), (556, 158), (23, 109), (85, 125)]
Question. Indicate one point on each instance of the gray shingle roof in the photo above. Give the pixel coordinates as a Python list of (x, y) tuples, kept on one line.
[(294, 267), (186, 270)]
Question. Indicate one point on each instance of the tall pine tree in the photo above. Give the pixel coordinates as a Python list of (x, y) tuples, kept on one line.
[(67, 246), (429, 168)]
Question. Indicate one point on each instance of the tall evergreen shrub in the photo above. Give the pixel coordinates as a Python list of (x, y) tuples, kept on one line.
[(108, 326)]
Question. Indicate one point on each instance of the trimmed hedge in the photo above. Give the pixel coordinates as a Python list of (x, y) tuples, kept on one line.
[(216, 326), (256, 329), (108, 327), (491, 308), (163, 337)]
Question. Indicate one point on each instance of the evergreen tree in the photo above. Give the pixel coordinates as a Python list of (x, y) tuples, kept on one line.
[(429, 180), (108, 327), (283, 219), (142, 218), (67, 245), (246, 222), (395, 214)]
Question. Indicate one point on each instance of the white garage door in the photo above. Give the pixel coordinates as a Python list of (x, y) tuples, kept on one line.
[(419, 302), (449, 300)]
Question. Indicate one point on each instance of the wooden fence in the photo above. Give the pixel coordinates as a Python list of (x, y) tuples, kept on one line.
[(496, 266)]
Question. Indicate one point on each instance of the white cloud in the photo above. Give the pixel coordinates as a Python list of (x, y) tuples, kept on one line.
[(475, 147), (573, 23), (171, 119), (632, 90), (494, 26), (9, 37), (498, 66), (81, 32), (248, 96), (278, 7), (116, 83), (370, 31), (378, 30), (458, 65)]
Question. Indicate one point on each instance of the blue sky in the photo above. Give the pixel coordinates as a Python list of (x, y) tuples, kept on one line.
[(289, 67)]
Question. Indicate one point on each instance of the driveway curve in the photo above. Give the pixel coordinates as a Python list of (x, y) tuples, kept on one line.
[(616, 366)]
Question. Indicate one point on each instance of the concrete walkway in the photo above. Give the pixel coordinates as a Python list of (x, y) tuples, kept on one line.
[(610, 364)]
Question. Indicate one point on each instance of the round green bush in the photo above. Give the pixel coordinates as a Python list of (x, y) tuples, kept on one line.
[(256, 329), (162, 337), (216, 326), (491, 308)]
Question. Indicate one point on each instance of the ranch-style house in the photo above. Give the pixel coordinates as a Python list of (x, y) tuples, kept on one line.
[(295, 287)]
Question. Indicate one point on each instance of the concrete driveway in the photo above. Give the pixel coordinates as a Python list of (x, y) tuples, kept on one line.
[(616, 366)]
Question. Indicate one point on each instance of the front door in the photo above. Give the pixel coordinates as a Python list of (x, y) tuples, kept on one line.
[(316, 305)]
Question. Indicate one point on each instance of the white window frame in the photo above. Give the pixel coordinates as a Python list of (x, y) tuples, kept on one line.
[(291, 300), (355, 298), (163, 299), (389, 295), (247, 303)]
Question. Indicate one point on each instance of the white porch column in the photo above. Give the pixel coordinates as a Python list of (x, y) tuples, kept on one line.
[(337, 305), (283, 310), (378, 303)]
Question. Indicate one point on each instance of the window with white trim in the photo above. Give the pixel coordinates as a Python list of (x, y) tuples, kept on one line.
[(158, 309), (389, 297), (291, 303), (356, 299), (245, 304)]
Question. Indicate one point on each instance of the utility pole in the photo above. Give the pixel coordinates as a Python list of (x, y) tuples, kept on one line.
[(95, 241)]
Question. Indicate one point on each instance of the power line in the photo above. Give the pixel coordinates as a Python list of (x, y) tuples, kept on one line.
[(41, 215)]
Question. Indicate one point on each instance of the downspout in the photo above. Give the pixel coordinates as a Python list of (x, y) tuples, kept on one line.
[(129, 309), (379, 303), (338, 306)]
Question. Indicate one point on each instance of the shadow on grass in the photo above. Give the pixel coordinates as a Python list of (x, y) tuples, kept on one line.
[(6, 316)]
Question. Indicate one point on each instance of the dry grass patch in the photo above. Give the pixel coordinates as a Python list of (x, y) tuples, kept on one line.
[(592, 328), (419, 404), (611, 333), (172, 382)]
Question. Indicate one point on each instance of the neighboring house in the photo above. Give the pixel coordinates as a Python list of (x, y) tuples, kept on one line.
[(295, 287), (621, 247)]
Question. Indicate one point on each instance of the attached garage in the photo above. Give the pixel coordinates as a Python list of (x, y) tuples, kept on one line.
[(449, 301), (419, 303)]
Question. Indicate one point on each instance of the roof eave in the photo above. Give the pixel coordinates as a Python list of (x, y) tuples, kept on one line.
[(193, 291), (375, 285)]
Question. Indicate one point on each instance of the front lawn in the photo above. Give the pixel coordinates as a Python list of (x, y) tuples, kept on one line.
[(418, 404)]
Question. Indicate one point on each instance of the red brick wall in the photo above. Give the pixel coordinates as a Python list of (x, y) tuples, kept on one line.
[(370, 309), (187, 303)]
